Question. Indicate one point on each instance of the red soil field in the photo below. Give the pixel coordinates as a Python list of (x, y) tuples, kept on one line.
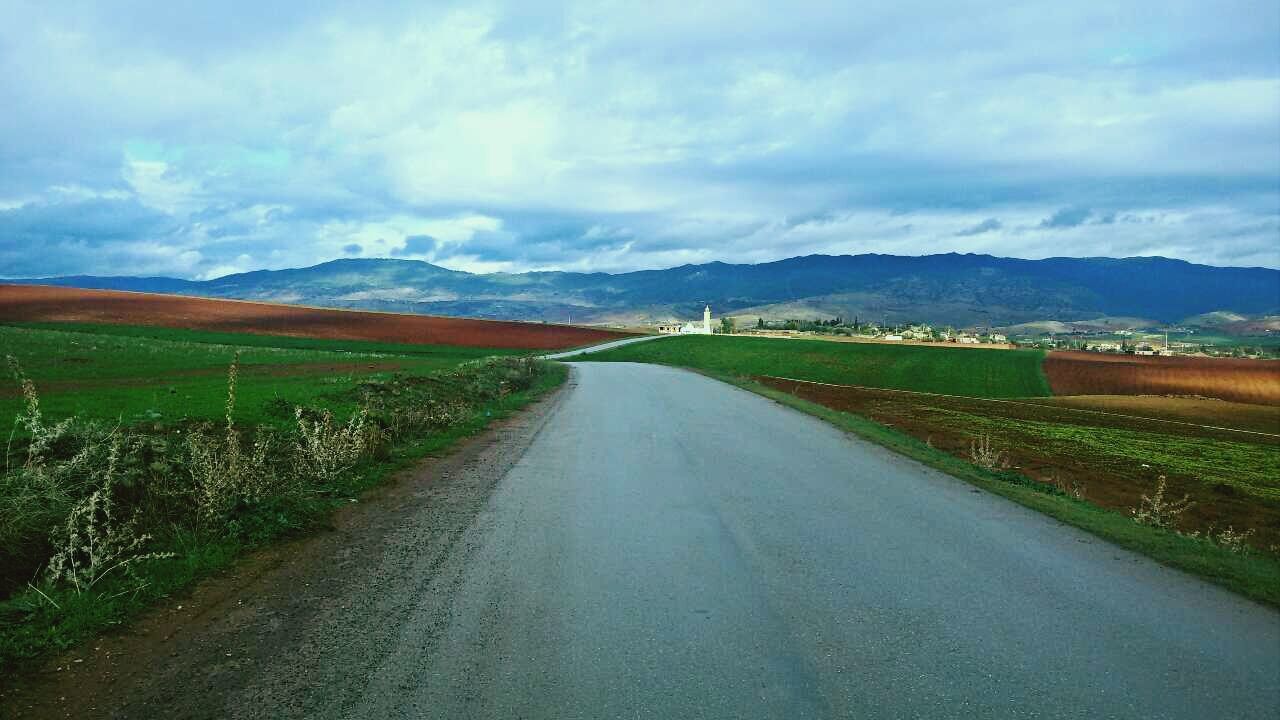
[(1239, 380), (40, 303)]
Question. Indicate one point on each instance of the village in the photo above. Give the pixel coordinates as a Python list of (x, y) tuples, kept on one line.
[(1176, 341)]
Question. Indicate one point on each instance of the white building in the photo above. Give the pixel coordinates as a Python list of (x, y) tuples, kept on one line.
[(694, 328)]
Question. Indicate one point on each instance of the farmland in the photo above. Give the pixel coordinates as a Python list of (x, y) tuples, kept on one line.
[(136, 374), (976, 372), (1233, 477), (37, 303), (1240, 380), (180, 449)]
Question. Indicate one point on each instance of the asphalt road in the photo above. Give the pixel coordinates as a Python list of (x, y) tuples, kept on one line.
[(655, 544), (603, 346)]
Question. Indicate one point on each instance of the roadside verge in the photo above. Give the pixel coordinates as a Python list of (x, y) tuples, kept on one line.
[(1251, 575), (417, 417)]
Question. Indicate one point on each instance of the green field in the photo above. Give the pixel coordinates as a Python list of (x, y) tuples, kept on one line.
[(146, 374), (146, 435), (948, 370)]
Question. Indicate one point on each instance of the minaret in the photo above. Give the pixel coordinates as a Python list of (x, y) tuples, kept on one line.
[(706, 320)]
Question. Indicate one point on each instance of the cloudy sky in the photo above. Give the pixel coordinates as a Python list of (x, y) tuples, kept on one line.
[(145, 138)]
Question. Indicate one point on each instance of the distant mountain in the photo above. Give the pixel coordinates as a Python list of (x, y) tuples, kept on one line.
[(952, 289)]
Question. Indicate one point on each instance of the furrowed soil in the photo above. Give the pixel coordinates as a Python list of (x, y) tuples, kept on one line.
[(38, 303), (1239, 380), (1233, 477)]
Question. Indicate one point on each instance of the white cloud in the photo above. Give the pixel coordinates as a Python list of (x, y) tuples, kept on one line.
[(704, 131)]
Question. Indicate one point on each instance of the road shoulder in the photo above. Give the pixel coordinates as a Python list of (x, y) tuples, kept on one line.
[(288, 606)]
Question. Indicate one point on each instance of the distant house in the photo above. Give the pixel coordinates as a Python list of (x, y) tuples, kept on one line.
[(895, 336), (998, 338), (668, 328), (967, 340)]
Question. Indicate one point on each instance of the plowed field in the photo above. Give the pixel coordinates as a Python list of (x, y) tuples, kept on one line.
[(1239, 380), (38, 303)]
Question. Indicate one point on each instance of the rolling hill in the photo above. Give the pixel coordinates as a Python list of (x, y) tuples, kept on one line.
[(953, 289)]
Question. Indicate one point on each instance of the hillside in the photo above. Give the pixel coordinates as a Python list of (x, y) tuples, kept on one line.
[(952, 289), (36, 304)]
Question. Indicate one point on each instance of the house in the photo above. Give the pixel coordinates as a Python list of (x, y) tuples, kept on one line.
[(998, 338), (668, 328), (893, 337)]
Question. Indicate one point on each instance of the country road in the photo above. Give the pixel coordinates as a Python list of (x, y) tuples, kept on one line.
[(651, 543)]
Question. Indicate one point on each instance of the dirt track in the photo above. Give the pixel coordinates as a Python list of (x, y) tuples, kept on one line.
[(1239, 380), (39, 303)]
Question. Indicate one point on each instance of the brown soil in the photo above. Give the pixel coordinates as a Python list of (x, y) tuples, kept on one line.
[(1241, 380), (1199, 411), (39, 303), (1106, 482)]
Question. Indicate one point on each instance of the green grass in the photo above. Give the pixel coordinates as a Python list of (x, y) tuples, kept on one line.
[(247, 340), (948, 370), (1253, 575), (30, 626), (1252, 468), (145, 374)]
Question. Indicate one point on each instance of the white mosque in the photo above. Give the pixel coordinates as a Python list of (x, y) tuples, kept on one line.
[(689, 328)]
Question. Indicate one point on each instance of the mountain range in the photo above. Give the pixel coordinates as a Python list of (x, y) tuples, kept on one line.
[(954, 289)]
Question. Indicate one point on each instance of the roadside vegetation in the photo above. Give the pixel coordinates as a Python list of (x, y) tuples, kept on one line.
[(134, 374), (961, 371), (1153, 527), (113, 498)]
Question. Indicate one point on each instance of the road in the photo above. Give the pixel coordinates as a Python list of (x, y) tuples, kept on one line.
[(654, 544), (603, 346)]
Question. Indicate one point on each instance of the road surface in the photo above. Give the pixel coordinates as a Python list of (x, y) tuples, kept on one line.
[(655, 544), (603, 346)]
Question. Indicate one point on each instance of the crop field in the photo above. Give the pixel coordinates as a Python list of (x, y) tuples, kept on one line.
[(1241, 380), (176, 450), (968, 371), (1233, 477), (38, 303), (159, 375)]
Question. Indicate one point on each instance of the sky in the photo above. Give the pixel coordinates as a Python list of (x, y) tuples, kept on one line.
[(153, 138)]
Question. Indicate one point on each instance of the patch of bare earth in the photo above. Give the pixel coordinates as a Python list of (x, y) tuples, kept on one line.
[(1235, 379), (39, 303)]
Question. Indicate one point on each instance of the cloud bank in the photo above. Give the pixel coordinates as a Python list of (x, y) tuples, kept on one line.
[(144, 138)]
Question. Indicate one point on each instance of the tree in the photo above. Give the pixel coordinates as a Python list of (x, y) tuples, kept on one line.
[(760, 323), (726, 326)]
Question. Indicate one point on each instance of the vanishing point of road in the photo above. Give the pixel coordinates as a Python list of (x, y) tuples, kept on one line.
[(651, 543)]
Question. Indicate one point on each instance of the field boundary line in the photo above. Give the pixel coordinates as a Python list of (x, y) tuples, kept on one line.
[(1027, 404)]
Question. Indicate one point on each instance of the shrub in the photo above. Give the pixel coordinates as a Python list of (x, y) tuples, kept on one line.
[(983, 454), (223, 474), (1156, 511), (324, 449), (94, 542)]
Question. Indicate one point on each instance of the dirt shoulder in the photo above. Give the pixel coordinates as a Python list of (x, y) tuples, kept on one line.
[(315, 613)]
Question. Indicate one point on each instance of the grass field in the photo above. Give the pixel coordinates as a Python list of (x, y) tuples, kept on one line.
[(152, 374), (169, 465), (959, 371)]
